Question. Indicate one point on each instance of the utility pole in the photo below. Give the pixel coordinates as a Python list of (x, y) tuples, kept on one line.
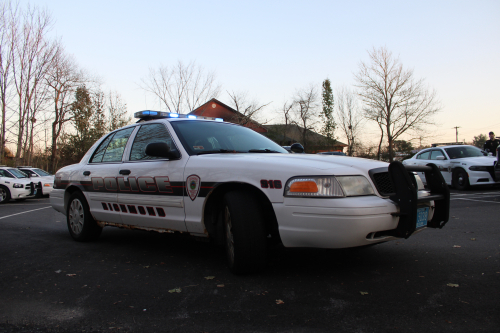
[(456, 129)]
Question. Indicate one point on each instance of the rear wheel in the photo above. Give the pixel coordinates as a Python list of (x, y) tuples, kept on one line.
[(460, 179), (81, 225), (245, 233), (4, 194)]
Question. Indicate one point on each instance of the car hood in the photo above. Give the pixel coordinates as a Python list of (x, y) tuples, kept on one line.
[(305, 164), (481, 160)]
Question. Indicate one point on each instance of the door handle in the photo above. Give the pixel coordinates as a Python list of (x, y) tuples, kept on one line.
[(86, 173), (125, 172)]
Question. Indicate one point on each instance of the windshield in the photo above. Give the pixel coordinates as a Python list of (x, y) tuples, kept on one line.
[(463, 151), (205, 137), (41, 172), (18, 173)]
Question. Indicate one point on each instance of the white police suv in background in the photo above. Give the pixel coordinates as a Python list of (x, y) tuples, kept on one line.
[(14, 185), (461, 165), (39, 177), (172, 172)]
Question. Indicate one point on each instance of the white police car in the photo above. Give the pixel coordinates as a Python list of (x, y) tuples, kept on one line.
[(14, 185), (41, 178), (209, 178), (461, 165)]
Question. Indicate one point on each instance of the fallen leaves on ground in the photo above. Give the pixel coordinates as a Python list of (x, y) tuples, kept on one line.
[(278, 301), (175, 290), (209, 277), (70, 274), (220, 285), (452, 285), (456, 246), (363, 292)]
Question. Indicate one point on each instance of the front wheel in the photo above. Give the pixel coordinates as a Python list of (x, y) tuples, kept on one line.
[(245, 233), (4, 195), (81, 225), (460, 179)]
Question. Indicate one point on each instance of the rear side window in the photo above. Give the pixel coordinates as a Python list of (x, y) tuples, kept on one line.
[(112, 148), (424, 156), (148, 134)]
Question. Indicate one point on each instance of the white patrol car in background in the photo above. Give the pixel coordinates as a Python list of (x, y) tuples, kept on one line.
[(14, 185), (172, 172), (461, 165), (43, 179)]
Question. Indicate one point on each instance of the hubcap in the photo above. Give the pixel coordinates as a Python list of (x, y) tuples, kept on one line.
[(460, 179), (3, 194), (229, 235), (76, 216)]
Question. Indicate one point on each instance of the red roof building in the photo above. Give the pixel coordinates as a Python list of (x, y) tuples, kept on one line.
[(217, 109)]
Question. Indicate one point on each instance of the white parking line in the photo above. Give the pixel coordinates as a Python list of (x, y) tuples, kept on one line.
[(476, 200), (28, 211)]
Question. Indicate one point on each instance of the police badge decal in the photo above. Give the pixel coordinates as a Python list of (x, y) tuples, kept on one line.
[(193, 186)]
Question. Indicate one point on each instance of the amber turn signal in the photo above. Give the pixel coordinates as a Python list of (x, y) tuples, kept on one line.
[(304, 187)]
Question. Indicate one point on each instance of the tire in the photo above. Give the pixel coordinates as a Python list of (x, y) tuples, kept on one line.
[(460, 180), (4, 195), (81, 225), (245, 233)]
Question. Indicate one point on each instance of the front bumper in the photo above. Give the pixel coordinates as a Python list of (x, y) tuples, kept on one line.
[(358, 221)]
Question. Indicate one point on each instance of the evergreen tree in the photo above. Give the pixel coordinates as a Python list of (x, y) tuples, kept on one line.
[(327, 113)]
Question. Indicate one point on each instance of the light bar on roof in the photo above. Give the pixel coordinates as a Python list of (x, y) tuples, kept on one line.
[(148, 114)]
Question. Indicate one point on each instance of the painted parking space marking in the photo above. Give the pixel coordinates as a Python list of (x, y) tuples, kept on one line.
[(28, 211), (468, 199)]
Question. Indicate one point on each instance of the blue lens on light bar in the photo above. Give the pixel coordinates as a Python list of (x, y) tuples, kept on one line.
[(174, 115), (191, 116), (219, 119)]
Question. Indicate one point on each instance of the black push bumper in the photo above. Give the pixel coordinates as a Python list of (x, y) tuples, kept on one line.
[(406, 196)]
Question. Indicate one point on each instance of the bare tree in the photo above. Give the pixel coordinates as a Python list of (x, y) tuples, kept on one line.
[(117, 111), (181, 88), (34, 55), (8, 39), (63, 79), (305, 109), (248, 109), (393, 98), (349, 117)]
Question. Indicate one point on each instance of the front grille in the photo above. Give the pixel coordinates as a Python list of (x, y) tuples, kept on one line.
[(383, 183)]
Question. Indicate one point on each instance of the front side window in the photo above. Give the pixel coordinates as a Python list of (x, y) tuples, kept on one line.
[(148, 134), (112, 148), (29, 172), (435, 154), (424, 156)]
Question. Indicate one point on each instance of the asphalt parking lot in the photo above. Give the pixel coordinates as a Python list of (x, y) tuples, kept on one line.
[(445, 280)]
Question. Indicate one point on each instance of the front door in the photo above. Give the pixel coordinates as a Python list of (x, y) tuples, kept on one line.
[(151, 188)]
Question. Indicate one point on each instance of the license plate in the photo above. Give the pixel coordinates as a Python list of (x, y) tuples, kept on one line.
[(422, 214)]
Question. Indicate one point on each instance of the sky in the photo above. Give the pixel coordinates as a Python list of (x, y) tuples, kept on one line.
[(269, 49)]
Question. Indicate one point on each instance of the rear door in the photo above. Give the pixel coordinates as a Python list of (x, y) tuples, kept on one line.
[(98, 177), (443, 163)]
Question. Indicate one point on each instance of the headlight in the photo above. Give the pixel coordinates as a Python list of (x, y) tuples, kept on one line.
[(17, 185), (478, 168), (355, 185), (328, 186)]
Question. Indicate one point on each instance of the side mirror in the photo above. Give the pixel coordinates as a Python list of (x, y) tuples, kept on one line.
[(161, 149), (297, 148), (440, 158)]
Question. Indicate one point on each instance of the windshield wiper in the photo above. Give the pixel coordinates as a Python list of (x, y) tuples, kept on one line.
[(265, 150), (217, 151)]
